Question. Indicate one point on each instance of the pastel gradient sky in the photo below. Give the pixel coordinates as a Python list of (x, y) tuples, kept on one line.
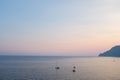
[(58, 27)]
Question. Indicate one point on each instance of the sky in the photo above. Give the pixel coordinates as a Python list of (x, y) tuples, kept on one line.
[(58, 27)]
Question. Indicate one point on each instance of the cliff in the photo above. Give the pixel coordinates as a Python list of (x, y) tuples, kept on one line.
[(113, 52)]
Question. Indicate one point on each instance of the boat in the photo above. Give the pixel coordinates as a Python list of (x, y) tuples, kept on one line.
[(57, 67)]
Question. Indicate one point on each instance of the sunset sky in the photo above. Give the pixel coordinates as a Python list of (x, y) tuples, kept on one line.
[(58, 27)]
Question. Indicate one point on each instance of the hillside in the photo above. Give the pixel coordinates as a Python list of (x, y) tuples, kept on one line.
[(113, 52)]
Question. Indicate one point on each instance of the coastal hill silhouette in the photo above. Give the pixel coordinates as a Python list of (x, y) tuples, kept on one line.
[(113, 52)]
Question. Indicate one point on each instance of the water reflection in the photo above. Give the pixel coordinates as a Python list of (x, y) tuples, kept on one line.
[(94, 68)]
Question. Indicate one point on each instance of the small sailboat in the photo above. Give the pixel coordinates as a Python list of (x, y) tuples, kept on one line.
[(74, 67), (57, 67)]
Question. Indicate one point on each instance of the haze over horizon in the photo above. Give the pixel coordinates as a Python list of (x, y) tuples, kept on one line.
[(58, 27)]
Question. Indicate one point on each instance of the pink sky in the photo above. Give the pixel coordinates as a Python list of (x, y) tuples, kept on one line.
[(59, 27)]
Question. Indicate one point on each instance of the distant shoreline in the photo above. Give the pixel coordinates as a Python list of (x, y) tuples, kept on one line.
[(113, 52)]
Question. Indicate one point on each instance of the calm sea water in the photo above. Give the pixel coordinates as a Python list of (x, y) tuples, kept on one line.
[(43, 68)]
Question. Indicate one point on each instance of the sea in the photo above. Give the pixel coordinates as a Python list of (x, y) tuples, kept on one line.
[(44, 68)]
